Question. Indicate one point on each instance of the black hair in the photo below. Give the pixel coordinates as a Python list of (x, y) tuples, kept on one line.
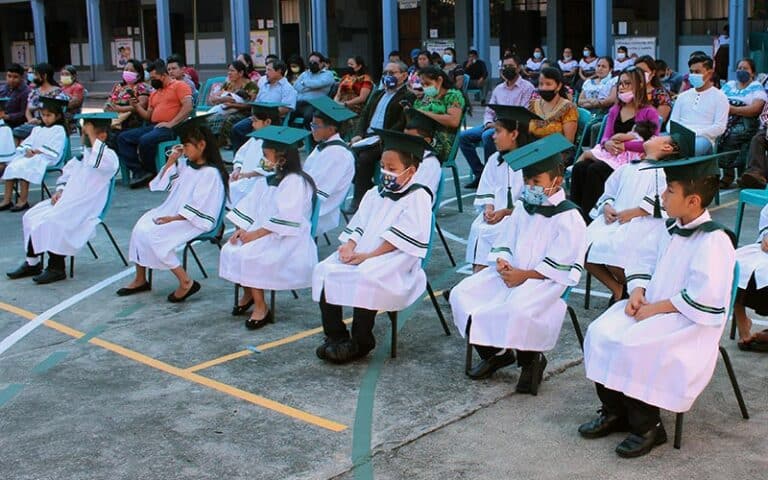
[(452, 50), (523, 137), (474, 52), (361, 61), (101, 127), (423, 132), (703, 59), (239, 66), (705, 187), (62, 118), (661, 65), (46, 69), (437, 59), (327, 121), (514, 57), (15, 68), (292, 164), (394, 53), (408, 158), (175, 58), (158, 66), (622, 48), (248, 61), (676, 149), (318, 55), (651, 63), (645, 129), (555, 74), (270, 57), (433, 73), (71, 69), (211, 154), (272, 114), (749, 62), (608, 59), (279, 65), (139, 70), (424, 53), (589, 47)]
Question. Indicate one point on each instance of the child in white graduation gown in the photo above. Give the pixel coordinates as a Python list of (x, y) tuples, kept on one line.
[(539, 253), (430, 172), (378, 265), (43, 148), (753, 280), (63, 225), (659, 348), (196, 183), (272, 248), (7, 143), (247, 164)]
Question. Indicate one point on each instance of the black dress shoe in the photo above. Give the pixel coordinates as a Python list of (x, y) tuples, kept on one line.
[(320, 350), (473, 184), (193, 290), (638, 445), (7, 206), (241, 309), (141, 181), (25, 270), (253, 324), (19, 208), (603, 425), (486, 367), (49, 276), (125, 291), (345, 351), (531, 376)]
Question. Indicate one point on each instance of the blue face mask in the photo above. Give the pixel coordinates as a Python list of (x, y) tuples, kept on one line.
[(31, 77), (696, 80), (534, 195), (743, 76), (389, 180), (389, 81)]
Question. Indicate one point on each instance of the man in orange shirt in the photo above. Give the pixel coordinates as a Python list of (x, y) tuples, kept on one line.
[(169, 105)]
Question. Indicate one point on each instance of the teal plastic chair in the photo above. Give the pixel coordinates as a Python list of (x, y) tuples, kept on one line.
[(64, 157), (393, 315), (162, 147), (205, 91), (585, 122), (103, 214), (474, 91), (450, 162), (751, 196), (213, 235)]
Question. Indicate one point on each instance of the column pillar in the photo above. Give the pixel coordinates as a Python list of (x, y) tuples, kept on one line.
[(554, 30), (164, 28), (737, 28), (461, 27), (239, 12), (482, 25), (93, 12), (319, 26), (390, 32), (668, 33), (602, 21), (38, 23)]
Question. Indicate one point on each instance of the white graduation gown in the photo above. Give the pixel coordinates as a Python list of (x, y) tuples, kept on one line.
[(7, 144), (527, 317), (65, 228), (668, 359), (196, 194), (332, 169), (389, 282), (247, 159), (752, 259), (429, 173), (50, 141), (627, 187), (496, 183), (283, 259)]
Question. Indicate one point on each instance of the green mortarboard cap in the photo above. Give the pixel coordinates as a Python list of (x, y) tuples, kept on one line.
[(279, 138), (3, 101), (514, 113), (540, 156), (263, 108), (328, 109), (402, 142), (98, 118), (684, 137), (419, 121), (196, 121), (692, 168), (54, 104)]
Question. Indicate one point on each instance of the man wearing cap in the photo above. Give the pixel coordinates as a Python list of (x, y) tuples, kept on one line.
[(16, 91), (383, 111), (659, 348), (516, 305), (514, 91), (63, 225), (331, 164), (169, 105)]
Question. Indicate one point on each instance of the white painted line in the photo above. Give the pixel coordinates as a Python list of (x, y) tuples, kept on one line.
[(592, 293)]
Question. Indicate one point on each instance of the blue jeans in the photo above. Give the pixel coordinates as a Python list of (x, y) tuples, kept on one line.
[(703, 146), (240, 132), (468, 140), (137, 148)]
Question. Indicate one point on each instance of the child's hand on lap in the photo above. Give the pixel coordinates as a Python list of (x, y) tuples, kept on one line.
[(357, 258), (55, 198), (236, 236), (346, 251), (502, 265), (636, 300), (235, 175), (610, 214), (163, 220), (625, 216), (764, 244), (488, 213), (513, 277)]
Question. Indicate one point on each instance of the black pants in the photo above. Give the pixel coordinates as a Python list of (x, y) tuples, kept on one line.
[(524, 358), (641, 416), (758, 161), (55, 262), (588, 184), (366, 160), (335, 329)]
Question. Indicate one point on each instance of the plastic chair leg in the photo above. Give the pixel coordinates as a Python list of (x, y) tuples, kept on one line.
[(114, 243), (576, 327), (272, 303), (588, 290), (237, 295), (93, 252), (468, 357), (71, 266), (678, 430), (393, 345), (438, 310), (732, 335), (197, 260), (739, 219), (44, 190), (445, 244), (295, 295), (149, 275), (734, 384), (457, 187)]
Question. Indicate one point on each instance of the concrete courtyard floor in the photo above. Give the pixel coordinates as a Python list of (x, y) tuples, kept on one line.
[(138, 388)]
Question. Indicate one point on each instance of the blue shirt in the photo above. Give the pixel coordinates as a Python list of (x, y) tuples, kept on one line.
[(377, 120), (281, 92), (313, 85)]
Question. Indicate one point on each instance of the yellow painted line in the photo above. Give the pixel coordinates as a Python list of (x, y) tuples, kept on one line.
[(186, 375)]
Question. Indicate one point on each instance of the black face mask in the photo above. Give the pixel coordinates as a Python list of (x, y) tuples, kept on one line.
[(156, 84), (38, 81), (314, 67), (547, 95), (509, 73)]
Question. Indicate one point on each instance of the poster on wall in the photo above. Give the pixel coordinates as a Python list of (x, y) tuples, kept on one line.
[(636, 45), (439, 45), (259, 47), (122, 51), (23, 53)]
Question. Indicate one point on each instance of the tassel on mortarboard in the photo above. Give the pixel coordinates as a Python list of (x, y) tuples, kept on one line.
[(656, 202)]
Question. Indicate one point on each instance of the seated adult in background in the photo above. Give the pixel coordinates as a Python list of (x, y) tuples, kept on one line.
[(295, 67), (192, 74), (569, 66), (756, 174), (384, 111), (533, 66), (558, 115), (658, 96), (394, 56), (478, 73), (231, 101), (74, 90), (130, 87), (355, 87), (414, 59), (686, 85), (414, 80), (274, 87), (703, 108), (169, 105), (568, 90), (16, 91), (598, 91), (250, 70), (587, 65), (632, 107), (513, 91), (312, 83), (747, 99), (623, 60), (454, 70), (44, 85), (176, 70), (670, 79), (444, 104)]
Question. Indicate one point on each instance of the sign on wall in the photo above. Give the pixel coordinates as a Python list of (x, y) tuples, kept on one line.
[(259, 47), (122, 51), (636, 45), (23, 53)]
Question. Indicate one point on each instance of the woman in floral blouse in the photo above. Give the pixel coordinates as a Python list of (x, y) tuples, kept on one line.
[(355, 87), (129, 87), (231, 101), (443, 104), (657, 94), (43, 85), (558, 114)]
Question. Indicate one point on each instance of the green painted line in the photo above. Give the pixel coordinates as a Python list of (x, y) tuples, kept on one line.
[(50, 362), (362, 429), (9, 392), (129, 311), (91, 334)]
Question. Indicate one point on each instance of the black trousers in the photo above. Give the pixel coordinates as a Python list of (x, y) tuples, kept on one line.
[(524, 358), (758, 161), (641, 416), (366, 160), (55, 262), (335, 329), (588, 184)]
